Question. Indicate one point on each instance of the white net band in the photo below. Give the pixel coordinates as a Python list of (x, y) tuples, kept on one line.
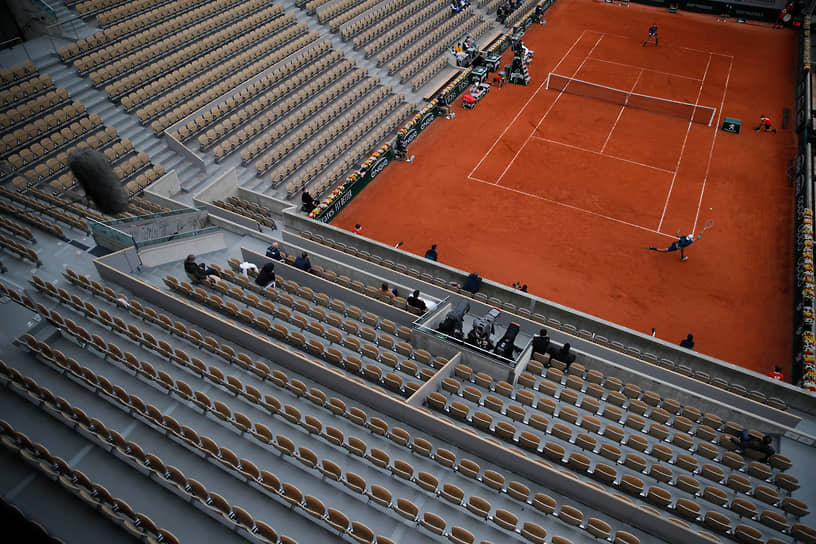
[(673, 108)]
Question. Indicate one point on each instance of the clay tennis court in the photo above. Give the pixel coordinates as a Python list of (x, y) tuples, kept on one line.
[(565, 192)]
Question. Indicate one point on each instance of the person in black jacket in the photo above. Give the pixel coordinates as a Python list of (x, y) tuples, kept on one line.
[(309, 203), (541, 342), (761, 445), (564, 354), (266, 277), (416, 302), (431, 253), (472, 283), (688, 342), (303, 262), (273, 252), (198, 272)]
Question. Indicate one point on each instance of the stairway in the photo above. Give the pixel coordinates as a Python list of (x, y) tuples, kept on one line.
[(112, 114)]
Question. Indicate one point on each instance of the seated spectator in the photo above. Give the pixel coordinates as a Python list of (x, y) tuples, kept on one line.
[(747, 442), (541, 342), (472, 283), (266, 277), (303, 262), (431, 253), (386, 293), (198, 272), (688, 342), (416, 302), (309, 203), (777, 373), (563, 354), (246, 267), (273, 252)]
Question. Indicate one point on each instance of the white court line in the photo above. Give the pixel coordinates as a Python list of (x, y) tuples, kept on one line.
[(683, 148), (647, 69), (711, 150), (512, 121), (546, 113), (604, 154), (620, 113), (576, 208), (670, 47)]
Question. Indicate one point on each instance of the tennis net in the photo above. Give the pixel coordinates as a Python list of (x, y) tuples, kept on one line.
[(673, 108)]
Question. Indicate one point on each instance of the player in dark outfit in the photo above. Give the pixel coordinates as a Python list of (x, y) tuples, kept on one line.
[(652, 34), (680, 244)]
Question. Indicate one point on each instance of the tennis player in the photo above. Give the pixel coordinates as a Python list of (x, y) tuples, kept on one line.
[(765, 122), (680, 244), (652, 34)]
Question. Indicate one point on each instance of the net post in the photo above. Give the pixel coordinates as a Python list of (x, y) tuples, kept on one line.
[(547, 86)]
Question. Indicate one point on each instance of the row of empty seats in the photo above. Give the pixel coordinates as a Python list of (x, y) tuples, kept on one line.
[(397, 41), (192, 95), (341, 12), (373, 17), (248, 209), (32, 219), (259, 96), (329, 122), (142, 30), (37, 127), (56, 469), (199, 73), (360, 119), (174, 53), (28, 110), (432, 44), (27, 88), (18, 249), (286, 114), (109, 12), (41, 204), (379, 351), (516, 414), (17, 74), (428, 72), (356, 150)]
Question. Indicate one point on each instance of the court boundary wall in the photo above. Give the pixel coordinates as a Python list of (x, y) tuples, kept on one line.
[(804, 278)]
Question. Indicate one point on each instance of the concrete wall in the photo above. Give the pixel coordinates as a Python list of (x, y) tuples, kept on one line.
[(272, 204), (219, 188), (153, 228), (177, 250), (166, 186)]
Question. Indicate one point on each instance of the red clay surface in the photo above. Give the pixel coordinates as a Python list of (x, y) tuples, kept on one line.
[(565, 193)]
